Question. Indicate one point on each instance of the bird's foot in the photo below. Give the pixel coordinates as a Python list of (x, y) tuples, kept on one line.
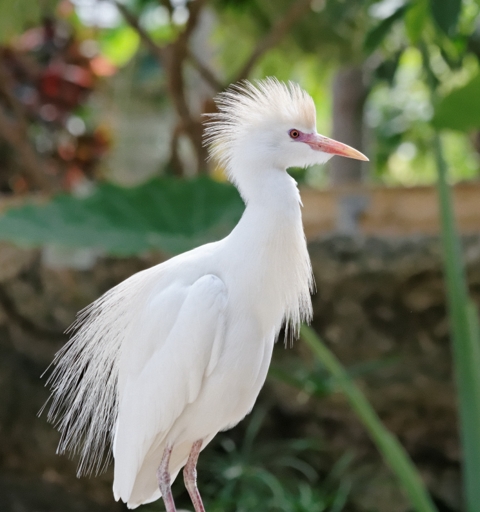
[(190, 476), (163, 478)]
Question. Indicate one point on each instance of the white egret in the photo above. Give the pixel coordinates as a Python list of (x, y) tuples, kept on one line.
[(179, 352)]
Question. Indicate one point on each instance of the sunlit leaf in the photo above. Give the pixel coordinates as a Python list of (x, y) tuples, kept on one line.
[(415, 19), (167, 214), (164, 34), (119, 45)]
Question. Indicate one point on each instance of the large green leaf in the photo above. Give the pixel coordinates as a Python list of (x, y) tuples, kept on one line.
[(376, 36), (168, 214), (460, 110), (446, 14), (415, 20)]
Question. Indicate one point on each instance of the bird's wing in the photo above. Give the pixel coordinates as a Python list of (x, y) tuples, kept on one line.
[(154, 392)]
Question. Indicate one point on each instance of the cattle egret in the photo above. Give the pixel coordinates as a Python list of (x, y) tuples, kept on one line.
[(176, 353)]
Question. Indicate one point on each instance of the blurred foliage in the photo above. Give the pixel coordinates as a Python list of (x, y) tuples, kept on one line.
[(426, 41), (119, 45), (238, 478), (401, 46), (315, 380), (119, 221), (388, 445), (281, 474), (388, 39), (46, 78)]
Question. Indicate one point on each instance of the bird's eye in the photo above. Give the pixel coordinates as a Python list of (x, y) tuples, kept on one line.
[(294, 134)]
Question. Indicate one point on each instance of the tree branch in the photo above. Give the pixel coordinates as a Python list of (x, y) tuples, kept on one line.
[(194, 9), (278, 31), (175, 162), (172, 58), (206, 73), (168, 5), (132, 20)]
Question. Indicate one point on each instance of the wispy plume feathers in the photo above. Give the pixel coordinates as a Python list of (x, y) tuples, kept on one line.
[(84, 401)]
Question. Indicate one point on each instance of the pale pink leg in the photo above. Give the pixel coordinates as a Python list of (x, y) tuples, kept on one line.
[(163, 478), (190, 476)]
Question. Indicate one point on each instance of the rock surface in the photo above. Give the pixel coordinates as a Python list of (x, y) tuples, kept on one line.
[(380, 306)]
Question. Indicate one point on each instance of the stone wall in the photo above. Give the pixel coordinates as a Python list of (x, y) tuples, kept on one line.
[(379, 302)]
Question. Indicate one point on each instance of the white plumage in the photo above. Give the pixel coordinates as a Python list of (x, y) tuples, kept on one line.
[(178, 352)]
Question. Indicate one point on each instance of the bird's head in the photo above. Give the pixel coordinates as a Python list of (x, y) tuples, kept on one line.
[(271, 125)]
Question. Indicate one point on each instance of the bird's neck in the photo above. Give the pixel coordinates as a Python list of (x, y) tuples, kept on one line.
[(268, 189), (272, 206), (270, 243), (272, 215)]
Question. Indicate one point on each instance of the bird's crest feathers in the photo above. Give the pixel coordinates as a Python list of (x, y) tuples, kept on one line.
[(247, 105)]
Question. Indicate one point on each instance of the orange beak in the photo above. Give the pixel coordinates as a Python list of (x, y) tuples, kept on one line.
[(332, 147)]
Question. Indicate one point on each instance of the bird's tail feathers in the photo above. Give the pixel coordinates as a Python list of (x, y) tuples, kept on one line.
[(84, 402)]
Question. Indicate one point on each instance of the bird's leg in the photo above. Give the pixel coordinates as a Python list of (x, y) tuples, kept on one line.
[(163, 478), (190, 476)]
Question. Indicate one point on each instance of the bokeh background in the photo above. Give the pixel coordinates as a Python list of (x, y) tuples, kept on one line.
[(103, 173)]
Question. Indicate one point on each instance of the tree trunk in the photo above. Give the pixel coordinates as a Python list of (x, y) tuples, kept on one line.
[(349, 94)]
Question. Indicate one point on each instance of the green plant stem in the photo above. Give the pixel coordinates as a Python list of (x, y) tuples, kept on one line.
[(465, 338), (390, 448)]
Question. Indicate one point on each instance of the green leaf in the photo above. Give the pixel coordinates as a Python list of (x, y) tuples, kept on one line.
[(446, 14), (375, 37), (460, 110), (119, 45), (465, 328), (168, 214), (387, 68), (415, 20)]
